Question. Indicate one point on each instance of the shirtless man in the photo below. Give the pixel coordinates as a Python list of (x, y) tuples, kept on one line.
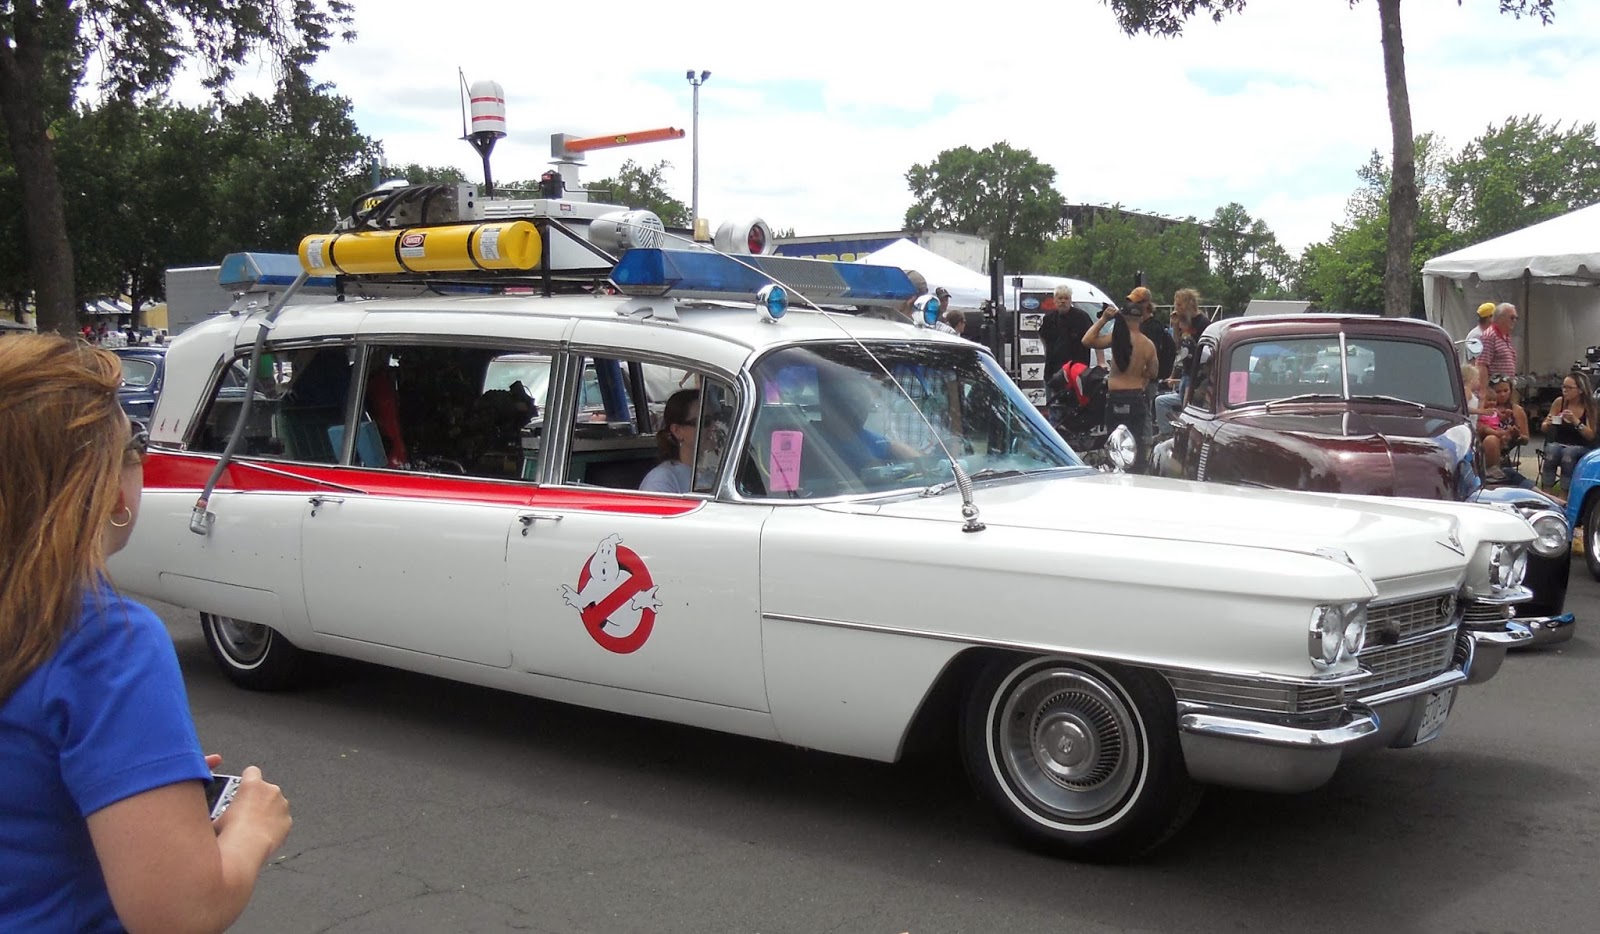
[(1133, 365)]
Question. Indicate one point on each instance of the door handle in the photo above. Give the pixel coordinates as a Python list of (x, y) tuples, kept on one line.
[(529, 518), (317, 502)]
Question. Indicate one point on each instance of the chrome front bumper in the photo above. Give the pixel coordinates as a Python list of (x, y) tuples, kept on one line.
[(1548, 630), (1246, 749)]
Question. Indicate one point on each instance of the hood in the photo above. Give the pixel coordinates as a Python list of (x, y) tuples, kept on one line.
[(1394, 537), (1338, 450)]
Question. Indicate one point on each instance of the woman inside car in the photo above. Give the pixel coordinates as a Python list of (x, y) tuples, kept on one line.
[(103, 818)]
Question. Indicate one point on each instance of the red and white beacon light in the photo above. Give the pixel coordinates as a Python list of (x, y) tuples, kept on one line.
[(487, 103)]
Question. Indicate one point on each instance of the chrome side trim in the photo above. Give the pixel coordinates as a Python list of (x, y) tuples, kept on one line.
[(1337, 680), (1436, 683), (1356, 723)]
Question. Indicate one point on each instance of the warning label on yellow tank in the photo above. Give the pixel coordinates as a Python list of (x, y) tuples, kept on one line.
[(412, 245)]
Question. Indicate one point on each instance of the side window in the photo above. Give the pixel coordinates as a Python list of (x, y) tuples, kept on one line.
[(1203, 391), (644, 426), (469, 411), (298, 410)]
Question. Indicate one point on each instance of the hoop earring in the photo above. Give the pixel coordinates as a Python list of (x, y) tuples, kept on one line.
[(122, 525)]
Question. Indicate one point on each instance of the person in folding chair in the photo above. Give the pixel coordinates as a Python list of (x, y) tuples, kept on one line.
[(1502, 431), (1569, 433)]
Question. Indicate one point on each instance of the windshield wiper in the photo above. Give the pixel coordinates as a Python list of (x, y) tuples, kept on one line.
[(987, 473), (1303, 397), (1382, 398)]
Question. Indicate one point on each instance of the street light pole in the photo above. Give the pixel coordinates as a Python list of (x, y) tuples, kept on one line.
[(694, 190)]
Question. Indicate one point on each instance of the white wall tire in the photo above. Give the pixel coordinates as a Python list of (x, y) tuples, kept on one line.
[(1079, 758), (254, 656), (1591, 537)]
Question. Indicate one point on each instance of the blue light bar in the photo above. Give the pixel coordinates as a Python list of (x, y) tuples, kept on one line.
[(703, 274), (245, 272)]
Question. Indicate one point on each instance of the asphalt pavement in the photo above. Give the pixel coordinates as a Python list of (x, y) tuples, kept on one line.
[(428, 806)]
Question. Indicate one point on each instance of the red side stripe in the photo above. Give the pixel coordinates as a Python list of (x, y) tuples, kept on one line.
[(164, 471)]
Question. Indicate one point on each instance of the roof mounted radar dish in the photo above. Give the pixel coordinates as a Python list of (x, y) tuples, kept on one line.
[(621, 231), (752, 236)]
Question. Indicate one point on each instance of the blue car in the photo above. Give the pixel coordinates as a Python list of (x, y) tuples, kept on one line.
[(1583, 508), (143, 371)]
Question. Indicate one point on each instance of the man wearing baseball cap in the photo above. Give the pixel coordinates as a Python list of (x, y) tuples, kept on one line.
[(1484, 312), (1133, 366)]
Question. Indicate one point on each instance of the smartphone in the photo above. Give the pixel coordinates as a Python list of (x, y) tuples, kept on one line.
[(220, 790)]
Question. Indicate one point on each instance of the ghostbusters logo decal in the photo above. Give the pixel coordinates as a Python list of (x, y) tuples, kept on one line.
[(615, 597)]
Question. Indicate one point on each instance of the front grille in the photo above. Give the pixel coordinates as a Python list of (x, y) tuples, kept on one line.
[(1478, 614), (1396, 622), (1248, 694), (1394, 666)]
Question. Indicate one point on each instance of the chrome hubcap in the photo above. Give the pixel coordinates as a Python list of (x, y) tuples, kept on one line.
[(245, 643), (1068, 743)]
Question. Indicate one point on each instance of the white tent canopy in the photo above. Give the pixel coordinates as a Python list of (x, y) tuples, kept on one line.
[(1550, 271), (970, 289)]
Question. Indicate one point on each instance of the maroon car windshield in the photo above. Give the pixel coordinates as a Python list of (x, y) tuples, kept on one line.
[(1382, 369)]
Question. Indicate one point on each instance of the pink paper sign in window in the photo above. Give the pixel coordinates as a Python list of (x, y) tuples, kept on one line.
[(783, 461), (1238, 386)]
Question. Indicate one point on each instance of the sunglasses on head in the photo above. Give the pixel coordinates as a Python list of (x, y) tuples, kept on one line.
[(1499, 380)]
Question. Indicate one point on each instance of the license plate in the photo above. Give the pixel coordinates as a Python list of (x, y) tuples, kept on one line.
[(1434, 713)]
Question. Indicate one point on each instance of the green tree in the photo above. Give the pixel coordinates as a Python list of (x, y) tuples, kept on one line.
[(287, 166), (1247, 260), (43, 44), (1001, 193), (416, 173), (644, 189), (1521, 173), (137, 181), (1346, 272), (1167, 18), (1110, 251)]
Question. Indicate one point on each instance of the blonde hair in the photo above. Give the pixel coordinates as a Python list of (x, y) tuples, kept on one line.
[(64, 437), (1186, 301), (1469, 376)]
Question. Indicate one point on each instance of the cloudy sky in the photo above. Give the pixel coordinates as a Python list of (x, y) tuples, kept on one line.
[(814, 111)]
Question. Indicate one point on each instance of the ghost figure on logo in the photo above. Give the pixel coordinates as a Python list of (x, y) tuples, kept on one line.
[(615, 597)]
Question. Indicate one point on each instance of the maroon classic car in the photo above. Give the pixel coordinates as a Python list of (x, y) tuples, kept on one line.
[(1357, 405)]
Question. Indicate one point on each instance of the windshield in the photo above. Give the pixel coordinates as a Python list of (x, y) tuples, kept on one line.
[(830, 422), (1262, 371), (136, 373)]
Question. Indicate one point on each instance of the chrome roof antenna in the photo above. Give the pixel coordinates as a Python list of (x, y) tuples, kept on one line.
[(963, 482)]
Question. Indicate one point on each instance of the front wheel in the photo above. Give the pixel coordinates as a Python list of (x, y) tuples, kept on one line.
[(1079, 758), (255, 656)]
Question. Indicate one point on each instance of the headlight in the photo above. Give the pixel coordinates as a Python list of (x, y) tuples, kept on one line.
[(1508, 565), (1337, 632), (1554, 537)]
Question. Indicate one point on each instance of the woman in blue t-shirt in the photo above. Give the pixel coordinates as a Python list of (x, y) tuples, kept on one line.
[(103, 817)]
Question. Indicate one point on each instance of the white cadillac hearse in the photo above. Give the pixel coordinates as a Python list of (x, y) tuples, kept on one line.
[(877, 537)]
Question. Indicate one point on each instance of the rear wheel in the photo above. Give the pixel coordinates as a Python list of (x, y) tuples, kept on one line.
[(1079, 758), (255, 656)]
